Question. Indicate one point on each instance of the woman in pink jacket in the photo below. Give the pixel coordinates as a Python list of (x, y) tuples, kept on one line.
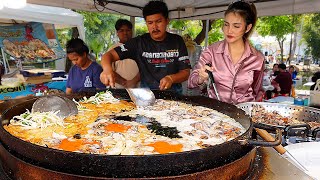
[(237, 67)]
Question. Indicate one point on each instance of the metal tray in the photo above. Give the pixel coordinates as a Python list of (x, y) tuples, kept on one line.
[(300, 113)]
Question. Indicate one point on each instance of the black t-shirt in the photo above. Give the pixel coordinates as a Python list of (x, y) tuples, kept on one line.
[(156, 59)]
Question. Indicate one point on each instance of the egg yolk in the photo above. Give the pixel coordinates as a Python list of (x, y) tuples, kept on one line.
[(117, 128), (70, 145), (163, 147)]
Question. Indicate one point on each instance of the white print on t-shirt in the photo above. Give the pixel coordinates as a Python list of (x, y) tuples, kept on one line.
[(171, 54), (87, 82), (183, 58), (123, 48)]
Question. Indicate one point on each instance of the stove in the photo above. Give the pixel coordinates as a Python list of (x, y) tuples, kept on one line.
[(279, 168), (268, 165), (3, 175)]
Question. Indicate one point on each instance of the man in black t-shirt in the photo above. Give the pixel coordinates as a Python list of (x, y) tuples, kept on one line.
[(162, 57)]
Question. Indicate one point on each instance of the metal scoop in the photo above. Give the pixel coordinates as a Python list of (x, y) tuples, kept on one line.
[(63, 105), (141, 96)]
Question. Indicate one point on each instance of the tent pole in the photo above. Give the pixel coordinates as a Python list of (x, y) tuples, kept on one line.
[(207, 31), (133, 21), (5, 62)]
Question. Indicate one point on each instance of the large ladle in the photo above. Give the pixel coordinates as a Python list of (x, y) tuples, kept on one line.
[(63, 105), (141, 96), (66, 107)]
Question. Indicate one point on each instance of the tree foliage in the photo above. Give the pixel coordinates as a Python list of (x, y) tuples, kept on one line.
[(141, 29), (63, 35), (277, 26), (196, 28), (216, 32), (311, 35), (99, 30), (296, 21)]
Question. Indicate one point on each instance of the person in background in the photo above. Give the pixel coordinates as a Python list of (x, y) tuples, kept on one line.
[(126, 71), (275, 70), (293, 71), (237, 67), (266, 85), (271, 58), (162, 57), (314, 78), (283, 80), (84, 74)]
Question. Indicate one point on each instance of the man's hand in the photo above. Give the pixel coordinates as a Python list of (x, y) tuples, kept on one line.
[(108, 78), (166, 83)]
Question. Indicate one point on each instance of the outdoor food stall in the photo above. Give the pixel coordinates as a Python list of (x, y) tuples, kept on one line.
[(177, 138), (28, 37), (29, 44), (175, 143)]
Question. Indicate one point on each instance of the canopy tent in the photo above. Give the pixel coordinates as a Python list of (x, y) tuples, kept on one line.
[(186, 9), (60, 17)]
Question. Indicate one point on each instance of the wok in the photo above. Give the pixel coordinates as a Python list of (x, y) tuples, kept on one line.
[(133, 166)]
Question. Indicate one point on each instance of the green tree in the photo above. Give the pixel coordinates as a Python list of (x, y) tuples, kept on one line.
[(311, 35), (63, 35), (196, 29), (297, 23), (179, 25), (100, 31), (216, 32), (278, 26), (141, 29)]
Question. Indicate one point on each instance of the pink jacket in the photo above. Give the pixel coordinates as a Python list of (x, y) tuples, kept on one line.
[(237, 83)]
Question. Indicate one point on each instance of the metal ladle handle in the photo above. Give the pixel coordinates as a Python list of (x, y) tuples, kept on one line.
[(280, 149), (213, 83)]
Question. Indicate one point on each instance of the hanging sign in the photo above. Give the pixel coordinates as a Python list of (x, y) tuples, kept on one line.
[(32, 42)]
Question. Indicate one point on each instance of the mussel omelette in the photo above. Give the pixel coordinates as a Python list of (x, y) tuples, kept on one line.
[(106, 125)]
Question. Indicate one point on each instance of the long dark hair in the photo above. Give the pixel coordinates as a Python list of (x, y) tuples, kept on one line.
[(247, 11), (77, 45)]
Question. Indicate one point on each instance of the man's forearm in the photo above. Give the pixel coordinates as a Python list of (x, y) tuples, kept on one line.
[(106, 61), (107, 76), (108, 58), (180, 77)]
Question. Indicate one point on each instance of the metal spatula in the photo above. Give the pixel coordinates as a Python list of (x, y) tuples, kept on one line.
[(141, 96), (63, 105)]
